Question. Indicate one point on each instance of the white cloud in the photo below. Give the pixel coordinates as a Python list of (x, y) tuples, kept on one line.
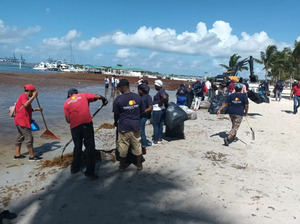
[(125, 53), (152, 55), (14, 34), (94, 42), (62, 42), (217, 41), (298, 39)]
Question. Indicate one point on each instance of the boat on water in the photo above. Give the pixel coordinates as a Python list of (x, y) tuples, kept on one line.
[(59, 66), (42, 66)]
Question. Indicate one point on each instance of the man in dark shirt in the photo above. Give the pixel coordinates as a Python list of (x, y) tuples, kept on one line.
[(127, 109), (148, 105), (238, 105)]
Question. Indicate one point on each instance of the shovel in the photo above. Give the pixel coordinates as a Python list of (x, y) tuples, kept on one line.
[(47, 134), (253, 134), (68, 143)]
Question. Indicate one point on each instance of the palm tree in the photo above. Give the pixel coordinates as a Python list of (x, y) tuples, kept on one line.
[(233, 61), (267, 58)]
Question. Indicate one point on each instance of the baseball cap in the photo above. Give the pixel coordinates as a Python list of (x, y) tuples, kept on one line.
[(238, 85), (72, 91), (123, 82), (29, 87), (158, 83)]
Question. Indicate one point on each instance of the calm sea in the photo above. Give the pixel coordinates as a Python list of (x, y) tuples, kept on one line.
[(14, 68)]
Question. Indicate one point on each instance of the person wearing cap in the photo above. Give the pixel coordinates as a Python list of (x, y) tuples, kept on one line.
[(148, 105), (160, 101), (181, 95), (238, 106), (23, 117), (127, 109), (77, 114), (296, 93)]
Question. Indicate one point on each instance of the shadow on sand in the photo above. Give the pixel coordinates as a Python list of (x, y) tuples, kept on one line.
[(127, 197), (287, 111)]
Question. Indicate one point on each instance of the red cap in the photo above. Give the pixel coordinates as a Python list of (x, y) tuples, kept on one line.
[(29, 87)]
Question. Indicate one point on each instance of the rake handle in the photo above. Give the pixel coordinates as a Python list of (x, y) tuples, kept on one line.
[(38, 102)]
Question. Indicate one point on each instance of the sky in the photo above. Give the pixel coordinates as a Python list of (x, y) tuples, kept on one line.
[(187, 37)]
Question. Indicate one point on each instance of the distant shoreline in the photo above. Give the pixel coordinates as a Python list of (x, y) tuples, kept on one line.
[(62, 78)]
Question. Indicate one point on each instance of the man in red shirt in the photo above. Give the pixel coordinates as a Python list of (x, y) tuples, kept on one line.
[(77, 114), (296, 93), (22, 121)]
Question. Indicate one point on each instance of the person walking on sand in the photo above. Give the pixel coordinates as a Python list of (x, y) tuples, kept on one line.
[(22, 120), (238, 106), (113, 82), (77, 114), (296, 93), (106, 81), (160, 101), (127, 109), (278, 89)]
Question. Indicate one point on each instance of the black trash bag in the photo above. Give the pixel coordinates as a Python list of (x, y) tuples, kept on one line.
[(175, 133), (216, 102), (130, 157), (258, 98), (174, 116)]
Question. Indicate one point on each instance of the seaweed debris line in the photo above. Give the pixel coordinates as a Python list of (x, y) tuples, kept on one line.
[(107, 126), (57, 161)]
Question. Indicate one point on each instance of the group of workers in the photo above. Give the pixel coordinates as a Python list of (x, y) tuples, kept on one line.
[(131, 112)]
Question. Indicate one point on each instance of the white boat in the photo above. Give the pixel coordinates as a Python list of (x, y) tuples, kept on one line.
[(42, 66)]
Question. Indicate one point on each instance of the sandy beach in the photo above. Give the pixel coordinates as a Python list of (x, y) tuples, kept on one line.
[(195, 180)]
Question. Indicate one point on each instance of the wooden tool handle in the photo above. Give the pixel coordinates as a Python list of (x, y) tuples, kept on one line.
[(37, 100)]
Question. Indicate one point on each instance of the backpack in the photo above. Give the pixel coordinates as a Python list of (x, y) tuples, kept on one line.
[(12, 111)]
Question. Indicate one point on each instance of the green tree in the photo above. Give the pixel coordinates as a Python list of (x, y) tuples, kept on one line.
[(267, 58), (233, 61)]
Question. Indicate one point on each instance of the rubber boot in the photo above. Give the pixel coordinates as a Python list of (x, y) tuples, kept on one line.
[(139, 165), (123, 164)]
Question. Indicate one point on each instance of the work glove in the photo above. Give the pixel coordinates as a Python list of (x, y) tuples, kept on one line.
[(104, 101)]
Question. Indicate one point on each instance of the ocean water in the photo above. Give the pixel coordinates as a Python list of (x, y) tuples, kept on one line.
[(14, 68)]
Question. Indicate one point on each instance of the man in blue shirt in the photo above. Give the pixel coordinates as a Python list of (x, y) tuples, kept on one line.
[(238, 106), (127, 109)]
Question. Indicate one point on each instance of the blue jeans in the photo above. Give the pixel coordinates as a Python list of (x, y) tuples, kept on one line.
[(157, 121), (296, 103), (143, 133)]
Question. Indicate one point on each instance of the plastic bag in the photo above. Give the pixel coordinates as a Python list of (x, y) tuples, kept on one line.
[(258, 98), (216, 103), (34, 126), (174, 116)]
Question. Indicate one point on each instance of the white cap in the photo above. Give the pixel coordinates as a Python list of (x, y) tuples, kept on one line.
[(158, 83)]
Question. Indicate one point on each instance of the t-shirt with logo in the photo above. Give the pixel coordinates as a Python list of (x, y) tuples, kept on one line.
[(23, 114), (77, 109), (236, 103), (296, 90), (147, 101), (128, 107)]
